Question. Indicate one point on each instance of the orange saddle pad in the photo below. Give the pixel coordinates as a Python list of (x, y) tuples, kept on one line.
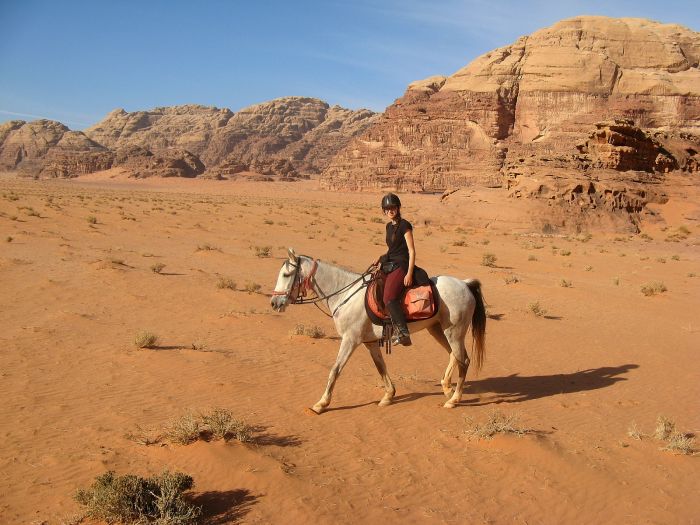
[(418, 303)]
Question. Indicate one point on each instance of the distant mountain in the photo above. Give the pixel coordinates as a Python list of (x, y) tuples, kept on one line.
[(289, 137)]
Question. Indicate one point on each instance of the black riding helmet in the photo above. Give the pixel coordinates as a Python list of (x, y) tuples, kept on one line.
[(390, 200)]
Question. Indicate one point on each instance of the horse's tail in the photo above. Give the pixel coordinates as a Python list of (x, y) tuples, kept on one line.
[(478, 323)]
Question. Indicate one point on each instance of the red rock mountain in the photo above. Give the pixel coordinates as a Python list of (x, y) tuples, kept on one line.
[(288, 137), (584, 111)]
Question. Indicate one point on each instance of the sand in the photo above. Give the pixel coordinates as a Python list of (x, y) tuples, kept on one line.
[(77, 286)]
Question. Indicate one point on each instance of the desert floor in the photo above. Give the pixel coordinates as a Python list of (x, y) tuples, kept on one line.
[(77, 286)]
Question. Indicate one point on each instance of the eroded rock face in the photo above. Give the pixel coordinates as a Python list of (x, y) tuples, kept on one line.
[(286, 138), (170, 162), (26, 143), (303, 132), (75, 154), (520, 112), (306, 132)]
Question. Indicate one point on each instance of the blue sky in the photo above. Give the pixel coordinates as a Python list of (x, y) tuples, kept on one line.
[(74, 60)]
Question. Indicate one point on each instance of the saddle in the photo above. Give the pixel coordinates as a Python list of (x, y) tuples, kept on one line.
[(419, 302)]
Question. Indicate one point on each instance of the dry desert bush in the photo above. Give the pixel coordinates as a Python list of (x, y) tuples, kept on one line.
[(496, 423), (653, 288), (145, 339), (225, 282), (184, 429), (136, 500), (665, 431), (536, 309), (157, 267), (313, 331), (252, 287), (488, 259), (565, 284), (262, 251), (511, 279)]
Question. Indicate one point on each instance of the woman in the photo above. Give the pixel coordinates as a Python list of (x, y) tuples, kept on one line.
[(398, 264)]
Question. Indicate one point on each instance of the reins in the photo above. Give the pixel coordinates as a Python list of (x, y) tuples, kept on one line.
[(309, 284)]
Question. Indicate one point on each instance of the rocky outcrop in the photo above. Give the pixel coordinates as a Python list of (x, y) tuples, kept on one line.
[(25, 144), (170, 162), (188, 127), (523, 112), (75, 154), (287, 138), (302, 132)]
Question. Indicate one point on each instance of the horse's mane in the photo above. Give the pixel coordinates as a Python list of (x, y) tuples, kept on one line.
[(349, 273)]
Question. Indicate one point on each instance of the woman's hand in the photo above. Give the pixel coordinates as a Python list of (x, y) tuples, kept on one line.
[(408, 280)]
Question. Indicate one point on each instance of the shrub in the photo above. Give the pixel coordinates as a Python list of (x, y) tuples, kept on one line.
[(634, 432), (183, 430), (511, 279), (206, 247), (565, 253), (496, 423), (91, 219), (675, 257), (531, 258), (252, 287), (133, 499), (664, 428), (488, 259), (145, 339), (8, 238), (460, 243), (157, 267), (262, 251), (222, 425), (616, 281), (314, 332), (653, 288), (681, 443), (536, 309), (565, 284), (298, 329), (225, 282)]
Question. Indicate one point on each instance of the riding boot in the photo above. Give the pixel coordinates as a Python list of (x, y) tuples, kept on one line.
[(402, 336)]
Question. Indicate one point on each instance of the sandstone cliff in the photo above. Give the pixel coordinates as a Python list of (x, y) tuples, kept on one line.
[(298, 135), (286, 138), (539, 110)]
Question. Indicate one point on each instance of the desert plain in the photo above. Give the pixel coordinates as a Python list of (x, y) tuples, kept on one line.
[(576, 352)]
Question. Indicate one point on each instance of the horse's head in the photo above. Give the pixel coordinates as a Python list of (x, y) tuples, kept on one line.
[(288, 284)]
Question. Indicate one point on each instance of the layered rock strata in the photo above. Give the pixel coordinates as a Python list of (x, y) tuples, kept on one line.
[(542, 111)]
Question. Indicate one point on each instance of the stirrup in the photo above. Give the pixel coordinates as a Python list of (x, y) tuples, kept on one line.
[(401, 338)]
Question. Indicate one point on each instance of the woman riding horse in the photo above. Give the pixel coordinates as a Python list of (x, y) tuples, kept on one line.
[(398, 264)]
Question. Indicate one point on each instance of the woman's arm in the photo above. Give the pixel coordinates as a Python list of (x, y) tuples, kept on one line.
[(408, 280)]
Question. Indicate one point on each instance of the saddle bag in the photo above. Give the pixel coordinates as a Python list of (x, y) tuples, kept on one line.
[(418, 303)]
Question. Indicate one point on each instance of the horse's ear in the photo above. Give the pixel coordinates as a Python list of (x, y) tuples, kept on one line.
[(292, 255)]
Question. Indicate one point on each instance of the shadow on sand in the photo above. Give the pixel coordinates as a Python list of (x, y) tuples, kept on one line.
[(221, 507), (515, 388)]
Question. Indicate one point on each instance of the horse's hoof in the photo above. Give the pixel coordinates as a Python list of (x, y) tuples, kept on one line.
[(448, 404), (318, 409), (385, 402)]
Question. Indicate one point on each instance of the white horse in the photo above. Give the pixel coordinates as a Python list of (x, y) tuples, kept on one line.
[(461, 304)]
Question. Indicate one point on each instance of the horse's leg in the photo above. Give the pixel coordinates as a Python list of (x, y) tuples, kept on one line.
[(455, 337), (347, 347), (375, 351), (446, 382)]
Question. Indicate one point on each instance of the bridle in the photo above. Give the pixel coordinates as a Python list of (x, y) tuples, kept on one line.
[(296, 294), (301, 286)]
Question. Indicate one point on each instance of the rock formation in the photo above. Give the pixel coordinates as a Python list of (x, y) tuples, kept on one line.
[(542, 107), (286, 138)]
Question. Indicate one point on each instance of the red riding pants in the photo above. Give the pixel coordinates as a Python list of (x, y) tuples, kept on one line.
[(393, 286)]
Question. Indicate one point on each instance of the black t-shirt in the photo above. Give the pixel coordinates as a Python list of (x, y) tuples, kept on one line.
[(396, 242)]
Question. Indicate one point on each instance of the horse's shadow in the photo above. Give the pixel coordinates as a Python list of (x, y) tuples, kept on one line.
[(515, 388), (224, 506)]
